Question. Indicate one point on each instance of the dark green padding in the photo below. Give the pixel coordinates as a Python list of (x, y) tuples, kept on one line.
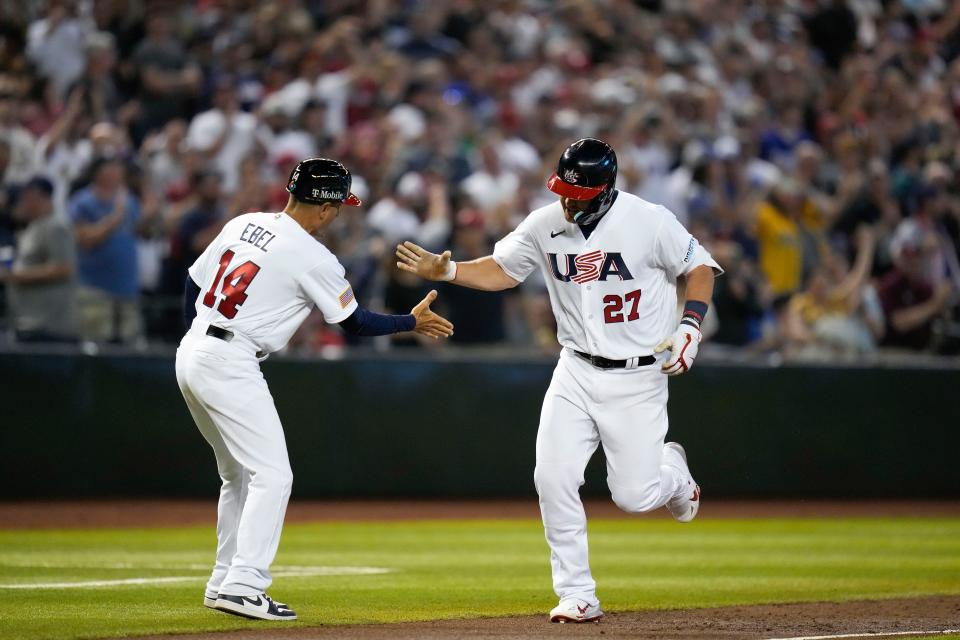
[(370, 427)]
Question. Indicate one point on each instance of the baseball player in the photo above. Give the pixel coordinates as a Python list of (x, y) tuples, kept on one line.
[(246, 295), (611, 262)]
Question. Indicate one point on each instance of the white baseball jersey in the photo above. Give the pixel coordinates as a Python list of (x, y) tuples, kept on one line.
[(614, 294), (261, 277)]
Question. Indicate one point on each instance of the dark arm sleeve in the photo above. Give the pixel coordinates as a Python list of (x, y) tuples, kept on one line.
[(190, 293), (368, 323)]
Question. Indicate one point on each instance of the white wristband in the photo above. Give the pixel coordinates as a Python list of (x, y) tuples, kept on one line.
[(450, 273)]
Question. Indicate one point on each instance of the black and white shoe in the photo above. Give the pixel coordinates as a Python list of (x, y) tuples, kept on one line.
[(210, 601), (261, 607)]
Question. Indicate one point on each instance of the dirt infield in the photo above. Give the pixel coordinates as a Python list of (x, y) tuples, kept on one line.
[(765, 621), (160, 513)]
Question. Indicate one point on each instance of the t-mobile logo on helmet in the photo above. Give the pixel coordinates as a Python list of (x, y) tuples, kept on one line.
[(327, 195), (588, 267)]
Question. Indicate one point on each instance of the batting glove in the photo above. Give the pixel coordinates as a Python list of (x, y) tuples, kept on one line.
[(683, 347)]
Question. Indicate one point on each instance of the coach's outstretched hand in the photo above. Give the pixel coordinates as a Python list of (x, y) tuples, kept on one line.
[(683, 347), (429, 323), (415, 259)]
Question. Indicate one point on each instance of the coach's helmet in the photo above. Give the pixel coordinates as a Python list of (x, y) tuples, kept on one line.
[(587, 171), (321, 180)]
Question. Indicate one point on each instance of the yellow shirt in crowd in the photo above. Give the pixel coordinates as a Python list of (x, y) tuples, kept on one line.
[(781, 245), (810, 310), (781, 254)]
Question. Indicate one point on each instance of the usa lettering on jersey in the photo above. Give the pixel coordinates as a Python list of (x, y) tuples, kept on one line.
[(588, 267)]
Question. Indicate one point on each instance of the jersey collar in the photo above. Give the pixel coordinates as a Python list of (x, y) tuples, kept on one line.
[(588, 229)]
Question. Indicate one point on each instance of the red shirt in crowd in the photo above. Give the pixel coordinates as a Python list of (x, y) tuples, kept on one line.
[(898, 292)]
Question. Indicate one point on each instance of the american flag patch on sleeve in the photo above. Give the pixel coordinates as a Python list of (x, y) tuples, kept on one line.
[(346, 297)]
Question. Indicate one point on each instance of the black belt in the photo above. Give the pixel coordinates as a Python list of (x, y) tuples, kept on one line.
[(220, 333), (605, 363), (223, 334)]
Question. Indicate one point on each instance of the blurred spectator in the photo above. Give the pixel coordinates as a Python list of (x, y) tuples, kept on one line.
[(7, 225), (788, 247), (95, 88), (872, 203), (224, 135), (779, 143), (422, 39), (302, 141), (56, 43), (105, 217), (396, 217), (164, 157), (649, 155), (252, 194), (477, 315), (65, 150), (810, 174), (833, 31), (168, 79), (6, 210), (41, 284), (739, 298), (418, 211), (825, 317), (8, 250), (911, 300), (21, 161), (940, 210), (198, 227), (490, 185)]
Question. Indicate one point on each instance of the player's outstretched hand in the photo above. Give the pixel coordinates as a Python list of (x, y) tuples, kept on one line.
[(429, 323), (415, 259), (683, 348)]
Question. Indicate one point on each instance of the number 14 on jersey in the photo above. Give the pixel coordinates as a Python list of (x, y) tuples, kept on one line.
[(234, 285)]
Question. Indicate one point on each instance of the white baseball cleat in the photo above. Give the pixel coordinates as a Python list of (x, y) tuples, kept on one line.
[(261, 607), (575, 610), (685, 507)]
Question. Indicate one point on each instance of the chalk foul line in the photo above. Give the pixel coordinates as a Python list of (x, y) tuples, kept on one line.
[(880, 634), (287, 572)]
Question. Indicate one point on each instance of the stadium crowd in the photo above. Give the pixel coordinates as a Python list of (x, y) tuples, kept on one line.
[(813, 146)]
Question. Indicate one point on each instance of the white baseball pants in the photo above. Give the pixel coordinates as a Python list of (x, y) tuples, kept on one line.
[(232, 406), (625, 410)]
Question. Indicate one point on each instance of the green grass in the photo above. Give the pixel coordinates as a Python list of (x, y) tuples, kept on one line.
[(467, 569)]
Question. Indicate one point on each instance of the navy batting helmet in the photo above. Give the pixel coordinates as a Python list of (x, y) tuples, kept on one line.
[(321, 180), (587, 171)]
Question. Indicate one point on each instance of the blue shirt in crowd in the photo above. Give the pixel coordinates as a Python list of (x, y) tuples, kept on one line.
[(112, 265)]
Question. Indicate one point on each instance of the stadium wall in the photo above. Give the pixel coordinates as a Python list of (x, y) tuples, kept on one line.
[(113, 426)]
